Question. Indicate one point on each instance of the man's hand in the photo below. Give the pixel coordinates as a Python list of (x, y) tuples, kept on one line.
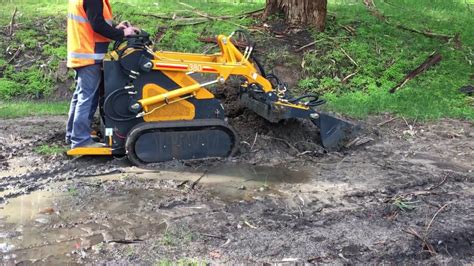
[(131, 31), (123, 25)]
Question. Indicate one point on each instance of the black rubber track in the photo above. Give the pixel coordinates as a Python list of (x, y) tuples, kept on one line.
[(177, 127)]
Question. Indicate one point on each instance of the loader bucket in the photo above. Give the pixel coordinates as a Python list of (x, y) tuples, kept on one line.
[(335, 132)]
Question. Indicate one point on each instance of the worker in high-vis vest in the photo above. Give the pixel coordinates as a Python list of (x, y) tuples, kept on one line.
[(89, 31)]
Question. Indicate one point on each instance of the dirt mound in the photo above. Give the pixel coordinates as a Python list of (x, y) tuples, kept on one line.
[(265, 142)]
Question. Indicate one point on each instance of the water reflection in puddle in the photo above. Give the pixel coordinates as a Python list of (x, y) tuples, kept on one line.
[(247, 182), (46, 226)]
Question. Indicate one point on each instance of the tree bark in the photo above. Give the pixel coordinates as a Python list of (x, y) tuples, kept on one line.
[(299, 12)]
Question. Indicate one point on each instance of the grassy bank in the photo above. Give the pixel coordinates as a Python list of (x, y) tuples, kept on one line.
[(17, 109), (386, 52), (374, 54)]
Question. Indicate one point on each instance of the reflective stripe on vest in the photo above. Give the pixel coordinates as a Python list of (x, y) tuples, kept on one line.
[(85, 20), (86, 56), (77, 18)]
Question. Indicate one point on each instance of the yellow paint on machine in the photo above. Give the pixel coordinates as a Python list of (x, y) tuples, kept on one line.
[(293, 105), (90, 151), (185, 80), (180, 110)]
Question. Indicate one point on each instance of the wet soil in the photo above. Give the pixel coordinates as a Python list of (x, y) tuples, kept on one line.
[(281, 199)]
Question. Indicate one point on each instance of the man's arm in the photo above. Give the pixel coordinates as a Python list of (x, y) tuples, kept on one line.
[(95, 14)]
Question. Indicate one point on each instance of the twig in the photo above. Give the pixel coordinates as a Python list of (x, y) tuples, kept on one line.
[(116, 171), (18, 51), (386, 122), (426, 244), (213, 236), (12, 22), (307, 45), (425, 32), (126, 242), (210, 48), (254, 141), (250, 225), (350, 58), (285, 141), (182, 184), (434, 217), (212, 18), (440, 183), (375, 12), (304, 153), (344, 80), (197, 12), (197, 180), (238, 44), (156, 16)]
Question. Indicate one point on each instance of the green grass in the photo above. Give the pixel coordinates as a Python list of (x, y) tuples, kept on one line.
[(404, 205), (181, 262), (27, 108), (383, 52), (50, 149), (386, 53)]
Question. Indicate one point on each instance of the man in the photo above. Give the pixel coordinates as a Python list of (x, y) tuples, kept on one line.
[(89, 33)]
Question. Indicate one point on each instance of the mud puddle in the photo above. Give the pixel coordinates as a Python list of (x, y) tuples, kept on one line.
[(56, 226), (63, 223)]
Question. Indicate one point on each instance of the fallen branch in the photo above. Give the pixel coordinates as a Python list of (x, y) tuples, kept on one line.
[(238, 44), (12, 22), (376, 13), (212, 18), (254, 141), (250, 225), (284, 141), (213, 236), (350, 58), (197, 12), (18, 51), (425, 244), (434, 217), (440, 183), (112, 172), (386, 122), (307, 45), (125, 241), (158, 16), (197, 180), (429, 62), (205, 15), (427, 33), (344, 80)]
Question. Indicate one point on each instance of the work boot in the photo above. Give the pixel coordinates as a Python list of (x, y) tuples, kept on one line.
[(94, 137)]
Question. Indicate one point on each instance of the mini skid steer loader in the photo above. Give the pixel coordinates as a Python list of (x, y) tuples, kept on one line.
[(153, 110)]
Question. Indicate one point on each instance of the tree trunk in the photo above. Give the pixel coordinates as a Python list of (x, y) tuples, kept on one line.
[(299, 12)]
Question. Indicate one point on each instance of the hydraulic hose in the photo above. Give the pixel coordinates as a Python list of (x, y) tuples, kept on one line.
[(108, 105)]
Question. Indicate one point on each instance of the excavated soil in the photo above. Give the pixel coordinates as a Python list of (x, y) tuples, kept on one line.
[(402, 194)]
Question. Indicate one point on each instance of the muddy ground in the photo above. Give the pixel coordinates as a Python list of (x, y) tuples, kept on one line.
[(403, 194)]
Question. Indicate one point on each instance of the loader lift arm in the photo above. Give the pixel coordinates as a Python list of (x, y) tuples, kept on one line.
[(230, 62)]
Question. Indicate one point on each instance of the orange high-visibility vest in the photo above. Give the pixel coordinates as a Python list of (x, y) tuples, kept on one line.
[(84, 46)]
